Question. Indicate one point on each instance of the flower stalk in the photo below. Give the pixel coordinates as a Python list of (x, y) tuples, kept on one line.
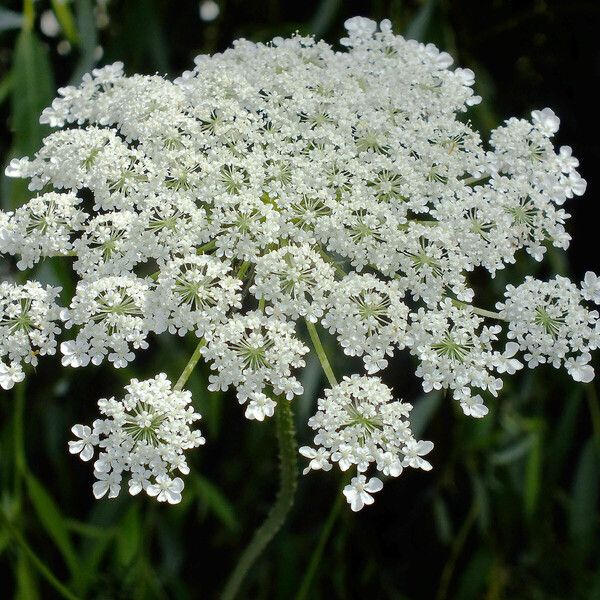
[(187, 371), (286, 437), (321, 354)]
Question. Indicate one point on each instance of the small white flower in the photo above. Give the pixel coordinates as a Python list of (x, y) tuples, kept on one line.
[(259, 407), (506, 362), (546, 121), (319, 459), (590, 287), (85, 445), (473, 406), (107, 482), (580, 369), (10, 374), (413, 451), (166, 489), (75, 353), (358, 493)]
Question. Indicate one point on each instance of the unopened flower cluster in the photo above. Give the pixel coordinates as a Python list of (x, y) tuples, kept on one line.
[(277, 188)]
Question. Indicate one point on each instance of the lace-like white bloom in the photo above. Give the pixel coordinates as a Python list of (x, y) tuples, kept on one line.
[(28, 327), (549, 323), (455, 350), (369, 317), (44, 226), (111, 313), (291, 181), (194, 293), (295, 280), (359, 424), (144, 435), (252, 352)]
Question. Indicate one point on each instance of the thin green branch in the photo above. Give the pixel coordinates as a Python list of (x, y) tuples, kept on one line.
[(317, 555), (206, 248), (243, 269), (479, 311), (457, 546), (28, 14), (334, 263), (286, 437), (187, 371), (321, 354), (472, 180)]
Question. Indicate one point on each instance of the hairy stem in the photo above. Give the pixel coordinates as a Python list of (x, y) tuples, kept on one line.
[(286, 437), (316, 341), (187, 371)]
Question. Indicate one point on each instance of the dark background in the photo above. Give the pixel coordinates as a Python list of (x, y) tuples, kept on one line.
[(510, 510)]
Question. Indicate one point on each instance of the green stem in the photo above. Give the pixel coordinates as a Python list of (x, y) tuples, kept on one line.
[(333, 262), (187, 371), (286, 437), (205, 248), (457, 546), (36, 561), (472, 180), (28, 14), (316, 341), (19, 441), (594, 407), (243, 269), (317, 555), (479, 311)]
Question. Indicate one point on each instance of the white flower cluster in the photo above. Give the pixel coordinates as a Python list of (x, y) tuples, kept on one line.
[(28, 327), (369, 317), (285, 182), (548, 321), (145, 434), (252, 351), (358, 424)]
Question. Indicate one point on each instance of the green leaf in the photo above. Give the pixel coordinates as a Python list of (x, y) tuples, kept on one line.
[(129, 537), (584, 495), (422, 22), (443, 522), (6, 87), (4, 539), (533, 474), (423, 411), (214, 500), (27, 588), (10, 19), (513, 452), (64, 16), (481, 496), (52, 520), (33, 90), (474, 576), (88, 40)]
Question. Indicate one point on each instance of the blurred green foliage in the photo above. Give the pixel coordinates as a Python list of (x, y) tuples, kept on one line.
[(511, 509)]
